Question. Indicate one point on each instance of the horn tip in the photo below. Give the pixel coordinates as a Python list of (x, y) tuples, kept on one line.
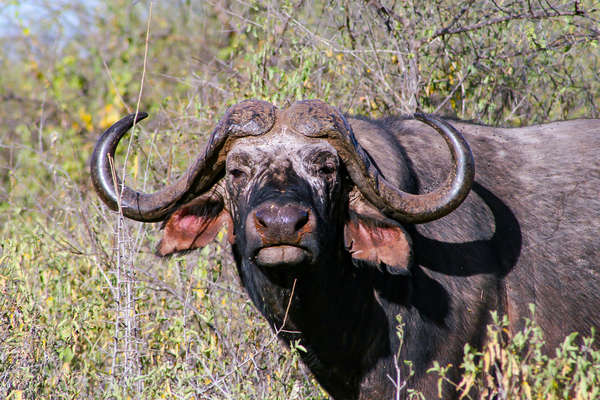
[(139, 116)]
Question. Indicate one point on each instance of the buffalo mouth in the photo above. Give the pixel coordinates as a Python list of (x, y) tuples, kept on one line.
[(282, 255)]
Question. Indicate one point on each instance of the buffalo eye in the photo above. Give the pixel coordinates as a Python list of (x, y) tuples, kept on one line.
[(327, 169), (238, 167), (237, 175), (323, 164)]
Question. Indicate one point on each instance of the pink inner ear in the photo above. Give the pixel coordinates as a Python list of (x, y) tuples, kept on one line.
[(377, 243), (189, 223), (193, 226)]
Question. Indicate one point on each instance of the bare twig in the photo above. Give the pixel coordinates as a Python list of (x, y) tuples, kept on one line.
[(451, 94), (448, 30), (263, 347)]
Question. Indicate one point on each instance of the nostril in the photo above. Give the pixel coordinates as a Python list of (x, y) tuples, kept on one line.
[(260, 218), (302, 219)]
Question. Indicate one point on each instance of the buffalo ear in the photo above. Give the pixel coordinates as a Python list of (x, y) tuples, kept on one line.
[(194, 225), (371, 237)]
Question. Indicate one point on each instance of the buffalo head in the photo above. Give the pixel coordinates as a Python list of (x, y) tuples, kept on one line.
[(293, 186)]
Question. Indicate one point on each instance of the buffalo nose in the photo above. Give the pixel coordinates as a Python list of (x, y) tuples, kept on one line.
[(280, 221)]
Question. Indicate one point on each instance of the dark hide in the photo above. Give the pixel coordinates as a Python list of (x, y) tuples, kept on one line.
[(527, 233)]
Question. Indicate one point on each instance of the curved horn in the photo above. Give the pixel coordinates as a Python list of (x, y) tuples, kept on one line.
[(411, 208), (316, 118), (250, 117)]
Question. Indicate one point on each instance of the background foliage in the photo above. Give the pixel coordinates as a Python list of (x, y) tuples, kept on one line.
[(87, 310)]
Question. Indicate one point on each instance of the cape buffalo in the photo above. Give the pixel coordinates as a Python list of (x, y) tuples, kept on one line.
[(362, 220)]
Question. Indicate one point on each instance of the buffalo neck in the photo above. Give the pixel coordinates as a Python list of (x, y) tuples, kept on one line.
[(336, 313)]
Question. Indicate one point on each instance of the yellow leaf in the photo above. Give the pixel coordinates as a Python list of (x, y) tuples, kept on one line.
[(527, 389), (486, 361), (86, 118), (109, 116), (16, 395), (136, 163)]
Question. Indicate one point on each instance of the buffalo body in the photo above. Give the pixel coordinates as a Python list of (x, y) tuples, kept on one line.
[(333, 265)]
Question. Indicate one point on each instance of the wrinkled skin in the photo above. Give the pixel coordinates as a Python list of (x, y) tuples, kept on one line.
[(303, 236)]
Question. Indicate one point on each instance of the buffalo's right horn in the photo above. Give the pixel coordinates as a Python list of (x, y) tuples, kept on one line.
[(250, 117)]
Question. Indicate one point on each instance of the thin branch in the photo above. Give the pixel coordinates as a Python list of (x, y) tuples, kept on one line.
[(216, 382), (451, 94), (287, 309), (458, 16), (511, 17)]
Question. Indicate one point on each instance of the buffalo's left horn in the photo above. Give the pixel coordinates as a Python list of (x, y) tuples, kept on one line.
[(315, 118), (318, 119), (250, 117), (406, 207)]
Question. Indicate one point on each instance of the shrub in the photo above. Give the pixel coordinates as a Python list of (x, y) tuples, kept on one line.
[(515, 365)]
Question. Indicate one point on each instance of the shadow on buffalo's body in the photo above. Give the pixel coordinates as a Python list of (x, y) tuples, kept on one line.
[(359, 221)]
